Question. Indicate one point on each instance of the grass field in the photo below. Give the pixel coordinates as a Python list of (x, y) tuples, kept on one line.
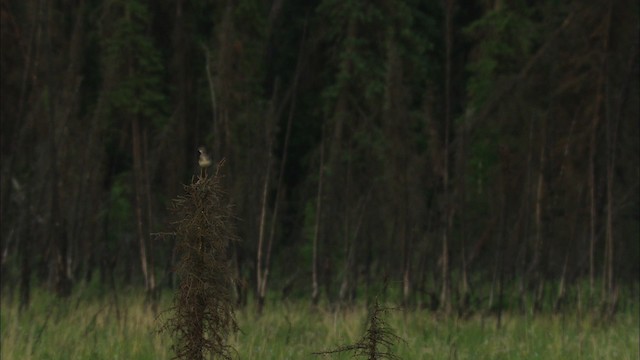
[(93, 327)]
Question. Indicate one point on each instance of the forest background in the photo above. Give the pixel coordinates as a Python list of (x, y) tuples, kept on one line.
[(458, 156)]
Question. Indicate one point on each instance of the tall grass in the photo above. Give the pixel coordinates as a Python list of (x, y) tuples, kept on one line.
[(87, 326), (80, 328)]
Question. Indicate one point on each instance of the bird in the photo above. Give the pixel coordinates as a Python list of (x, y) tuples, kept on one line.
[(204, 161)]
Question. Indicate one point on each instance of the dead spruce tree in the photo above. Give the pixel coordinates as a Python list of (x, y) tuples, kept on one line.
[(202, 315), (377, 341)]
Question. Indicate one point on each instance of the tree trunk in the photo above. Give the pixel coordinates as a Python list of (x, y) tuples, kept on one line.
[(505, 164), (25, 266), (445, 296), (147, 193), (262, 270), (539, 198), (592, 201), (609, 240), (461, 201), (315, 294), (611, 133), (260, 290), (62, 284), (279, 186), (406, 239), (346, 233), (140, 204)]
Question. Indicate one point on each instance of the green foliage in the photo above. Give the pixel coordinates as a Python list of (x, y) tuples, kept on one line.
[(483, 159), (250, 13), (415, 31), (504, 41), (250, 41), (356, 31), (306, 252), (132, 64), (120, 210), (377, 57)]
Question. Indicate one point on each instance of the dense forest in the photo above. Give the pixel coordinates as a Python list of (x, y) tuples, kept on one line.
[(455, 155)]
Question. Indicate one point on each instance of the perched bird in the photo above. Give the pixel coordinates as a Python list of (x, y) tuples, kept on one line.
[(204, 161)]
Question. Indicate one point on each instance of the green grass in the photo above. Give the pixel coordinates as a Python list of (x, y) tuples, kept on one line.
[(87, 326)]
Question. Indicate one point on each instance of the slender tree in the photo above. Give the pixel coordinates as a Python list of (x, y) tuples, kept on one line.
[(202, 315)]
